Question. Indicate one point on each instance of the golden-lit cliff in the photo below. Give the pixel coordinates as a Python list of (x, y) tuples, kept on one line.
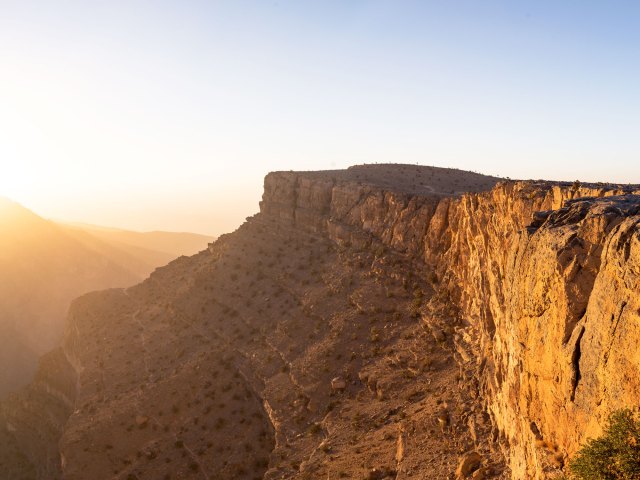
[(371, 323), (544, 280)]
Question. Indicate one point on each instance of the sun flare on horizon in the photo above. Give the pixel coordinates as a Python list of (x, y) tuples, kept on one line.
[(170, 115)]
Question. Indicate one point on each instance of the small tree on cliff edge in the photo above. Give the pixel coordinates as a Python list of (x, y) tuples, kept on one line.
[(613, 456)]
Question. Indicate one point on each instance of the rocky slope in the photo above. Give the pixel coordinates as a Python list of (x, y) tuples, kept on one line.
[(368, 323)]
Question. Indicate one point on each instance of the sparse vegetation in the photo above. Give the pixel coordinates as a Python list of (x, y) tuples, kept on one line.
[(615, 455)]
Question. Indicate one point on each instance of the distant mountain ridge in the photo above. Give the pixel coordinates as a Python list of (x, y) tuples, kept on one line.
[(156, 242)]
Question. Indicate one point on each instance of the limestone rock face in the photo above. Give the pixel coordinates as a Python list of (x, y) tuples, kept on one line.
[(544, 278), (545, 302)]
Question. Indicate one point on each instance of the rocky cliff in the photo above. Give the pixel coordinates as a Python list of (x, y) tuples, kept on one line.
[(379, 322), (544, 280)]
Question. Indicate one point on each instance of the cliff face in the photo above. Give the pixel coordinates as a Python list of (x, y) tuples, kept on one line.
[(368, 323), (544, 280), (550, 299)]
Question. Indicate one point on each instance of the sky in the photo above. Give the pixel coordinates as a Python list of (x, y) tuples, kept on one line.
[(167, 115)]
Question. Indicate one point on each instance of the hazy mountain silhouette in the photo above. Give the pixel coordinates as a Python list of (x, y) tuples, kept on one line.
[(170, 244)]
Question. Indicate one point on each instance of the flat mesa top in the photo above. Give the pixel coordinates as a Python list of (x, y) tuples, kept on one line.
[(413, 179)]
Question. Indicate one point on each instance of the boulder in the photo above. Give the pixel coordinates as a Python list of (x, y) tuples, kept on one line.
[(469, 462), (338, 385)]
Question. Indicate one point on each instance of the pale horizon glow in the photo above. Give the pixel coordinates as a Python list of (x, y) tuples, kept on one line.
[(167, 115)]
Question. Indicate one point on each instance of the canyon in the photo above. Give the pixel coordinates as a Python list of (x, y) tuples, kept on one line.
[(384, 321), (44, 265)]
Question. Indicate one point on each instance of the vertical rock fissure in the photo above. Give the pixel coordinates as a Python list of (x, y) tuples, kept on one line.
[(575, 364)]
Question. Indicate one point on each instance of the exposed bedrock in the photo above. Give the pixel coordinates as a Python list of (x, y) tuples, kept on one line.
[(376, 322), (544, 277)]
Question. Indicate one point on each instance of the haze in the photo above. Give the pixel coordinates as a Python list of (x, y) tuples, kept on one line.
[(167, 115)]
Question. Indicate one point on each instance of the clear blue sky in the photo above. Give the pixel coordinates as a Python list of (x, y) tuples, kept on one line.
[(168, 114)]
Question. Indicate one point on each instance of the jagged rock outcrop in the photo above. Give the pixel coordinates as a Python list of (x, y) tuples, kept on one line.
[(502, 321)]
